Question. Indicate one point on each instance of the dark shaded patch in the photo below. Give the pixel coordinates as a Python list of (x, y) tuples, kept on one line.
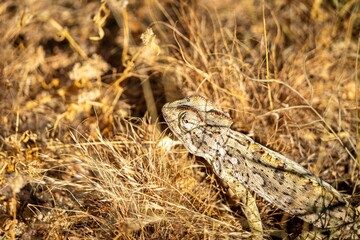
[(292, 190), (256, 160), (237, 140), (289, 201), (286, 193), (264, 184), (308, 186), (279, 176), (282, 167), (229, 154)]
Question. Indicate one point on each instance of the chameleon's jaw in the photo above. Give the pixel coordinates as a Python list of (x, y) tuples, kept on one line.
[(170, 114)]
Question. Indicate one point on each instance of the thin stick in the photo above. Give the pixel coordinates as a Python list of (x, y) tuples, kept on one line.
[(267, 56)]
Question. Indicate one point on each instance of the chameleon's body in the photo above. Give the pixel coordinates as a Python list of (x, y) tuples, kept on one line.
[(239, 160)]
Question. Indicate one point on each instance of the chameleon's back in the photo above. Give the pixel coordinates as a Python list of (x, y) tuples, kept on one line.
[(288, 185)]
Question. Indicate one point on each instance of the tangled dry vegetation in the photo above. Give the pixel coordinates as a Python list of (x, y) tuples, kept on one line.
[(84, 152)]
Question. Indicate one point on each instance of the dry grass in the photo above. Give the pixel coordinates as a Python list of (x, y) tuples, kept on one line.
[(82, 152)]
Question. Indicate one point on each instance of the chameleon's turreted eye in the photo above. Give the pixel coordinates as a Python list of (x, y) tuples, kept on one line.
[(188, 121)]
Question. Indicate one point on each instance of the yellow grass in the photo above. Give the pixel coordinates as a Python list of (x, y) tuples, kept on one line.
[(84, 152)]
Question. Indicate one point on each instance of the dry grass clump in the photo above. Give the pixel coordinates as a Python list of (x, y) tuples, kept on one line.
[(82, 152), (125, 188)]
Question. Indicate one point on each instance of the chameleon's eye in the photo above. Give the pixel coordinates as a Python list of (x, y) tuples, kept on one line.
[(188, 121)]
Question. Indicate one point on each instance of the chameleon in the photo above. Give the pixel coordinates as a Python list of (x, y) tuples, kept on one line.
[(244, 164)]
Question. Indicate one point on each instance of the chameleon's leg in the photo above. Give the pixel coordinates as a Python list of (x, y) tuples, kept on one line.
[(249, 207)]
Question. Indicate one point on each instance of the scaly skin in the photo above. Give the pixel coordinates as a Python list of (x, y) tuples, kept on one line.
[(240, 161)]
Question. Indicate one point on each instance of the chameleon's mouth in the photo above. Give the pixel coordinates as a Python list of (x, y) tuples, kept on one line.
[(168, 113)]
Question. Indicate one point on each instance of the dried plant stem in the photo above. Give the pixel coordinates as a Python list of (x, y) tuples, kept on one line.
[(267, 56)]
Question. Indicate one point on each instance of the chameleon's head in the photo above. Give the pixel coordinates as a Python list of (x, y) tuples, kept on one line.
[(190, 119)]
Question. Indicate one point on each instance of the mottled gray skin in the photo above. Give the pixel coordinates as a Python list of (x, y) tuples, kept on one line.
[(205, 132)]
